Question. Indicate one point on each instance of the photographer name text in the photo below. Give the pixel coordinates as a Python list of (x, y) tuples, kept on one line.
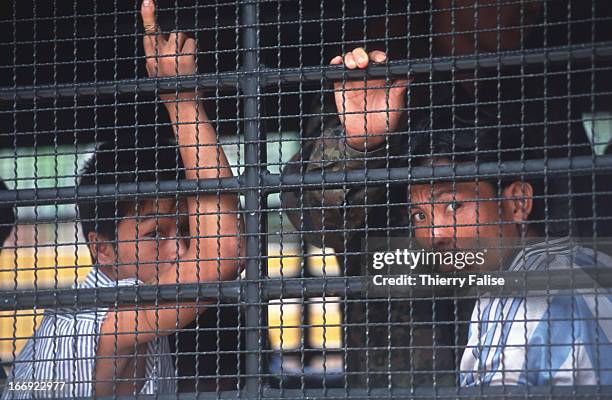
[(437, 280)]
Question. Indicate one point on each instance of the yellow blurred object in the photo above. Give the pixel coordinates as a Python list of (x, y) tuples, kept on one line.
[(16, 324), (288, 261), (31, 267), (41, 267), (322, 262), (281, 317), (326, 332)]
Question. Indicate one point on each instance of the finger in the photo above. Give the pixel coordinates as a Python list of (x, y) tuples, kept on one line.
[(180, 40), (147, 11), (336, 60), (190, 46), (187, 60), (400, 85), (177, 39), (152, 44), (361, 57), (349, 61), (172, 38), (152, 37), (378, 56)]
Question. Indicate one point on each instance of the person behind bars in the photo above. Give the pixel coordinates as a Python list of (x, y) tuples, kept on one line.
[(510, 208), (407, 343), (550, 337), (124, 351)]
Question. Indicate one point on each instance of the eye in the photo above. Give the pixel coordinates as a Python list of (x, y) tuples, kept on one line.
[(453, 206), (418, 216), (152, 234)]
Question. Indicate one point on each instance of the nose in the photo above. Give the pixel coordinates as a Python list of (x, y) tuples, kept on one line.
[(172, 248), (443, 236), (182, 247)]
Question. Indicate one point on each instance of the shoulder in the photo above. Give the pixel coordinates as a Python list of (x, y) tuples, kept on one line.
[(558, 253), (72, 320)]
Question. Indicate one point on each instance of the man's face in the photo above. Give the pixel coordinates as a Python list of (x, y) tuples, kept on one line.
[(151, 238), (464, 215)]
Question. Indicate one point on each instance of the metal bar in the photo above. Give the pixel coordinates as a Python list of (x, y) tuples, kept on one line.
[(425, 66), (579, 165), (476, 393), (122, 87), (24, 299), (271, 183), (111, 192), (516, 283), (271, 76), (252, 174)]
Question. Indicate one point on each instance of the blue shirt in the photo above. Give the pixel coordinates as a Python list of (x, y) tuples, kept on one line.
[(549, 338), (63, 350)]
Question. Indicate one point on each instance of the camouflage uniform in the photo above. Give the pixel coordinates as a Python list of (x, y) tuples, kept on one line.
[(341, 218)]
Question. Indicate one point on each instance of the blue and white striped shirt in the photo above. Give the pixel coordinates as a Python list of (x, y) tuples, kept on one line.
[(63, 349), (556, 338)]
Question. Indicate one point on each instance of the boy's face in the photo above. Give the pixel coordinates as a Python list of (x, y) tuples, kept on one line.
[(151, 237), (469, 215)]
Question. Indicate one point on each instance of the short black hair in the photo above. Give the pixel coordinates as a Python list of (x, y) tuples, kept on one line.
[(7, 218), (124, 161), (477, 134)]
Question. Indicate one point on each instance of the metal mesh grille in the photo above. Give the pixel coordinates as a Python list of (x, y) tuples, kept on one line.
[(285, 199)]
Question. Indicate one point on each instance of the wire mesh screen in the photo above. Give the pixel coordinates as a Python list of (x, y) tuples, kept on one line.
[(288, 199)]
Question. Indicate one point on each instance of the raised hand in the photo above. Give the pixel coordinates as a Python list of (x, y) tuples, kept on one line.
[(364, 106), (171, 56)]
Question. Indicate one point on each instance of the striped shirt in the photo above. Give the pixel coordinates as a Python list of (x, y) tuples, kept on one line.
[(63, 350), (556, 338)]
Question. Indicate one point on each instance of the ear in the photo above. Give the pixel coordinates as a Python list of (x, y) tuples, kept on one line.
[(102, 250), (518, 201)]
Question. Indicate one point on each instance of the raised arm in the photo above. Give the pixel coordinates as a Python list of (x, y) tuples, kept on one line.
[(368, 112), (213, 219), (214, 223)]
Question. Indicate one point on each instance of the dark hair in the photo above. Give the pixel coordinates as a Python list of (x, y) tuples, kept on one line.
[(7, 218), (467, 134), (123, 162)]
